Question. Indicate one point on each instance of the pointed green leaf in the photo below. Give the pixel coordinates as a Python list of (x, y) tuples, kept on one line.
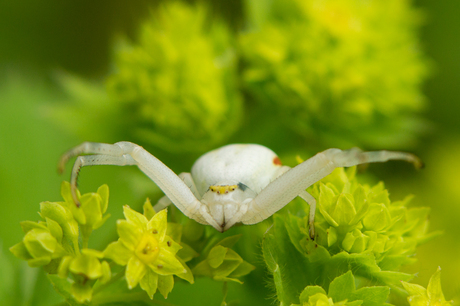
[(158, 225), (91, 206), (186, 253), (371, 296), (414, 289), (63, 269), (118, 252), (63, 287), (103, 192), (230, 241), (130, 235), (29, 225), (434, 290), (310, 291), (149, 283), (82, 293), (54, 228), (20, 251), (331, 236), (135, 218), (106, 272), (344, 211), (243, 269), (216, 256), (149, 212), (86, 265), (342, 287), (167, 264), (188, 275), (135, 271), (39, 243), (165, 284), (174, 231), (378, 218)]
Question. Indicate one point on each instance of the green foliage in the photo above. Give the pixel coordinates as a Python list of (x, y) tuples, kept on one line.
[(149, 249), (328, 68), (177, 84), (431, 296), (339, 73), (358, 229)]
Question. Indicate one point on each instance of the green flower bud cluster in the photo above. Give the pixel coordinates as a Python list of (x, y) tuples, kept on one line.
[(177, 84), (54, 242), (358, 218), (342, 292), (149, 252), (222, 263), (329, 68), (431, 296), (358, 229)]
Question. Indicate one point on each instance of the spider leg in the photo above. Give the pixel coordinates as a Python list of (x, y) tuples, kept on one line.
[(311, 217), (164, 202), (127, 153), (291, 184)]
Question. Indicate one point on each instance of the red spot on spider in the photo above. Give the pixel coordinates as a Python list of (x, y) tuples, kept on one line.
[(277, 161)]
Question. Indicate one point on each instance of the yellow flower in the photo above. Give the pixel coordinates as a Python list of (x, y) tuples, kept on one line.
[(147, 252)]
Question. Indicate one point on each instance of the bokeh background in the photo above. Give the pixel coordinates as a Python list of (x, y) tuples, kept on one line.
[(223, 72)]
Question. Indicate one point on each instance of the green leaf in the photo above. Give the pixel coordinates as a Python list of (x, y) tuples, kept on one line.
[(62, 216), (130, 235), (216, 256), (63, 287), (342, 287), (149, 283), (344, 211), (188, 275), (20, 251), (39, 243), (414, 289), (149, 212), (64, 265), (91, 206), (290, 269), (158, 224), (186, 253), (378, 218), (371, 296), (29, 225), (165, 284), (243, 269), (310, 291), (326, 203), (135, 271), (167, 264), (230, 241), (434, 290), (106, 272), (103, 192), (54, 228), (135, 218), (118, 252), (86, 265), (82, 292)]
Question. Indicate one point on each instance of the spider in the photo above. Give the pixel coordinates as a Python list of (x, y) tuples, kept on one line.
[(244, 183)]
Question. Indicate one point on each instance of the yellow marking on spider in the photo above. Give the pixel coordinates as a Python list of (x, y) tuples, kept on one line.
[(223, 189)]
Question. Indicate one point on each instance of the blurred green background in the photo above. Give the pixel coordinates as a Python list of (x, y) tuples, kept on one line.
[(66, 76)]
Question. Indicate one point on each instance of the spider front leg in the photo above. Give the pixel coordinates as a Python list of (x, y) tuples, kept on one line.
[(294, 182), (127, 153)]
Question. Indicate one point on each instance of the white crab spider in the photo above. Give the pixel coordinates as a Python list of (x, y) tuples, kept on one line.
[(236, 183)]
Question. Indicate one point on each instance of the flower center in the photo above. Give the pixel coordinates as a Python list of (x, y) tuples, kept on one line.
[(147, 249)]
